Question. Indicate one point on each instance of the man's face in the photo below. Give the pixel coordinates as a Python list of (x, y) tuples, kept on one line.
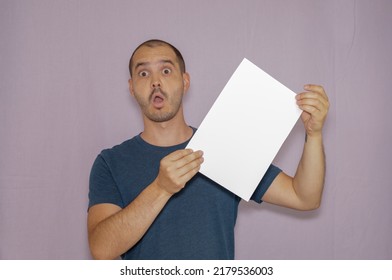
[(157, 82)]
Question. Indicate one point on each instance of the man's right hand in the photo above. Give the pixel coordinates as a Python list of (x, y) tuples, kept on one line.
[(177, 168)]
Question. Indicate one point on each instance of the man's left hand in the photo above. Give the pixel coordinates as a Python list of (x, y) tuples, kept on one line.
[(314, 103)]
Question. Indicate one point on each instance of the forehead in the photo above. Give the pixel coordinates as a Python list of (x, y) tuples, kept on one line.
[(146, 54)]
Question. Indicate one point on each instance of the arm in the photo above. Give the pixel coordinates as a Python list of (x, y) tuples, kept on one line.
[(112, 230), (304, 190)]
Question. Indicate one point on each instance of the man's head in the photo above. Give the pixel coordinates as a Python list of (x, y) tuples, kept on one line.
[(155, 43), (158, 80)]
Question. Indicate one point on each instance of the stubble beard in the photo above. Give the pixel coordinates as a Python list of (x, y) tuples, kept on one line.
[(159, 115)]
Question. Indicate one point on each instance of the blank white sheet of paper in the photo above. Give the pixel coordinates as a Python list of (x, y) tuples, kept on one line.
[(245, 128)]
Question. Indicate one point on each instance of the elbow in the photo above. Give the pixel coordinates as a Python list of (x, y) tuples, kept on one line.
[(314, 206), (310, 206), (310, 202), (97, 256), (100, 254), (97, 253)]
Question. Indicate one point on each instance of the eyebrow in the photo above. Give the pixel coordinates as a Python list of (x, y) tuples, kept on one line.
[(163, 61)]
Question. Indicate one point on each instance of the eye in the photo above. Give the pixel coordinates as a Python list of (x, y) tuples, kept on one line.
[(166, 71), (143, 73)]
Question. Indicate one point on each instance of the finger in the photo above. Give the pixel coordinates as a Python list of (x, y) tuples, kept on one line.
[(315, 102), (190, 173), (315, 109), (311, 94), (310, 109), (316, 88), (195, 156), (312, 97), (179, 154), (183, 174), (191, 168)]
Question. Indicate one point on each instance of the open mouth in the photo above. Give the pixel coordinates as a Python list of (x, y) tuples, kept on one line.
[(158, 99)]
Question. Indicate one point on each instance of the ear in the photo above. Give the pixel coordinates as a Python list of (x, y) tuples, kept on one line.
[(187, 81), (130, 85)]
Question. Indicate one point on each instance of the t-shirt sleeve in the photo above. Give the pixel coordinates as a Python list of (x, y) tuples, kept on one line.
[(265, 183), (102, 187)]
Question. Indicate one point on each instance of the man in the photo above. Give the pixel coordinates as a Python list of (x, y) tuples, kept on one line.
[(147, 199)]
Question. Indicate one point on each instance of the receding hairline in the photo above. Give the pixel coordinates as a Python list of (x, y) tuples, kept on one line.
[(158, 43)]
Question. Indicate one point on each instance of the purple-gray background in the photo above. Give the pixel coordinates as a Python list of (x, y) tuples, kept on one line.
[(64, 97)]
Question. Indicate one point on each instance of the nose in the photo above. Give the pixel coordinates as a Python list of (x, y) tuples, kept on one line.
[(156, 83)]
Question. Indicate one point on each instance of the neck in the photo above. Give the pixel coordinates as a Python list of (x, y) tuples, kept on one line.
[(169, 133)]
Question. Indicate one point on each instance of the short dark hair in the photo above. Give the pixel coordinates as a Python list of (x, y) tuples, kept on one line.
[(155, 43)]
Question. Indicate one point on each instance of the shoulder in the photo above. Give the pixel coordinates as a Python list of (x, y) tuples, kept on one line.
[(120, 149), (111, 157)]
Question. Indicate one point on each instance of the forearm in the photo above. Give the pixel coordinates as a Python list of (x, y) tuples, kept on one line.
[(308, 181), (121, 231)]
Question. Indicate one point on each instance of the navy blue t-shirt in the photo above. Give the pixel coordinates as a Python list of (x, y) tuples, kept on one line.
[(196, 223)]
